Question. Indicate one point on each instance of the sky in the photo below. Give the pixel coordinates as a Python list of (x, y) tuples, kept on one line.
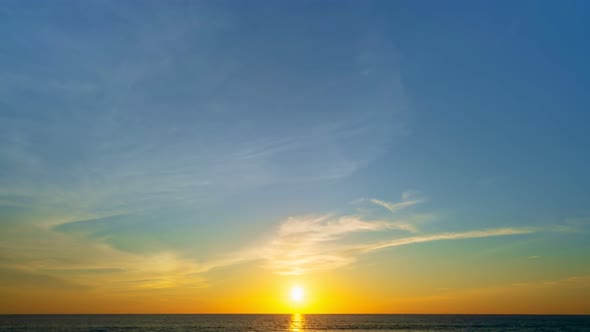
[(209, 156)]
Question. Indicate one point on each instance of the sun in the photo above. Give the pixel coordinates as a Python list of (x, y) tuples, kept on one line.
[(297, 294)]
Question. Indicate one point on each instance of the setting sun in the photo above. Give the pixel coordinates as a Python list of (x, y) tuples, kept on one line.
[(297, 294)]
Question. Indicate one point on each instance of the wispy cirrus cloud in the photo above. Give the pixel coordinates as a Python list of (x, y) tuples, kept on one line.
[(322, 244), (310, 243)]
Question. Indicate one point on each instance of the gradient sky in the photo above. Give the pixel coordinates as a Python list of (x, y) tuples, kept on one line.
[(394, 156)]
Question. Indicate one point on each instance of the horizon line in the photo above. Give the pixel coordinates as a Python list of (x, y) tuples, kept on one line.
[(300, 313)]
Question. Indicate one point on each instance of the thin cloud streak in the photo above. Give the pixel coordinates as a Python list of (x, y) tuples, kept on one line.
[(448, 236)]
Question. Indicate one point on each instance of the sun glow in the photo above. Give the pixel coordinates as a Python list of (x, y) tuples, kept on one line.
[(297, 294)]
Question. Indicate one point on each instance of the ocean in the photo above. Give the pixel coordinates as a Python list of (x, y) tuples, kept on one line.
[(295, 322)]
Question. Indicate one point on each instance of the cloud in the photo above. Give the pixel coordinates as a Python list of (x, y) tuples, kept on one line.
[(447, 236), (310, 243), (33, 256), (313, 242), (15, 278), (304, 245), (394, 207), (298, 245)]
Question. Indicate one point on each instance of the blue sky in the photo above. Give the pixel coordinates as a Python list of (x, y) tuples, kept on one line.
[(203, 128)]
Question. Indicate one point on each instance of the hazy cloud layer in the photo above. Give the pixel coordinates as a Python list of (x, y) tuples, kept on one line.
[(41, 257), (66, 255), (148, 117)]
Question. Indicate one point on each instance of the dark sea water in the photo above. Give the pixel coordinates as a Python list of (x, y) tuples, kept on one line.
[(161, 323)]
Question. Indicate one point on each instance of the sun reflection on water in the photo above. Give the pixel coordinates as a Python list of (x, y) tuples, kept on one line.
[(297, 322)]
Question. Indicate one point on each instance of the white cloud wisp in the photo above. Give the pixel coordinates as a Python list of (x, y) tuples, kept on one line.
[(310, 243)]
